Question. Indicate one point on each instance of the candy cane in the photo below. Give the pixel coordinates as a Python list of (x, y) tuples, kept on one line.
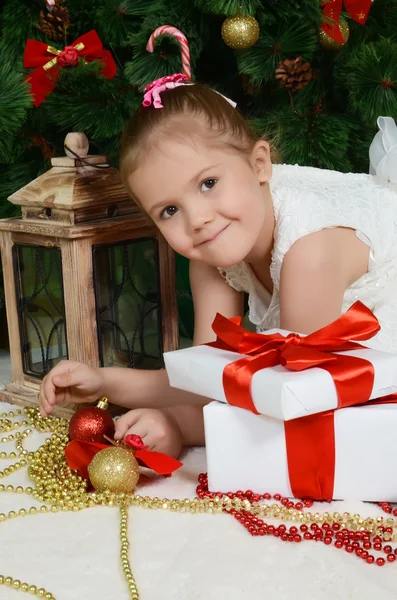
[(182, 41)]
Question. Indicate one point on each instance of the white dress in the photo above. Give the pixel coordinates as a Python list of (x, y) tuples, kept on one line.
[(307, 200)]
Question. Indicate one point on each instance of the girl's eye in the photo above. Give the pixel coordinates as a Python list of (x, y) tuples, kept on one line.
[(208, 184), (168, 212)]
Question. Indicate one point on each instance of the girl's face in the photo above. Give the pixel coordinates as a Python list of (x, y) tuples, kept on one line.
[(207, 201)]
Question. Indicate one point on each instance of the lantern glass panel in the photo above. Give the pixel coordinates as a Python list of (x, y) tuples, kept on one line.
[(126, 281), (41, 308)]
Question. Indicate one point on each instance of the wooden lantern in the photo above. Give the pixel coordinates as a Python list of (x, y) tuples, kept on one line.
[(87, 277)]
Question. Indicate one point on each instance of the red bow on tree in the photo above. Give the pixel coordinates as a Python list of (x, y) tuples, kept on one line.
[(48, 62), (357, 9)]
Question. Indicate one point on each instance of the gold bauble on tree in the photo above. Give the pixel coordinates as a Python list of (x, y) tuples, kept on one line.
[(240, 32), (328, 43), (114, 469)]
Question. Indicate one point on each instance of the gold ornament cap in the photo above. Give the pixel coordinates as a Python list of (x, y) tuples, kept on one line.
[(103, 403)]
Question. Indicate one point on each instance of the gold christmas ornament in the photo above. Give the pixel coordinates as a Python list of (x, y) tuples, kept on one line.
[(114, 469), (240, 32), (328, 43)]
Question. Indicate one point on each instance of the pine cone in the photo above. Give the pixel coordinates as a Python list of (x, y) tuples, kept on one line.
[(53, 24), (293, 74)]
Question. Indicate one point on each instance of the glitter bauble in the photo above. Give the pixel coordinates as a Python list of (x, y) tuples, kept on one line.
[(240, 32), (328, 43), (114, 469), (91, 423)]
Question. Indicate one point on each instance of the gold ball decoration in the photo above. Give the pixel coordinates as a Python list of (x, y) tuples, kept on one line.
[(240, 32), (114, 469), (328, 43)]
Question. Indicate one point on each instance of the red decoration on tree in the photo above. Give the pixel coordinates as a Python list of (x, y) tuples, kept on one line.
[(357, 9), (91, 423), (48, 62), (69, 57)]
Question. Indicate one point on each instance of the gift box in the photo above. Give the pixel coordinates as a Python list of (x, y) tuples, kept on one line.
[(284, 375), (348, 454)]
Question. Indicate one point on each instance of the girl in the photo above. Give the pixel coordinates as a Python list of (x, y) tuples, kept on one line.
[(304, 243)]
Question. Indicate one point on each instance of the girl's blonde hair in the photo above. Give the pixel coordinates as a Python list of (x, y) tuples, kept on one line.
[(220, 122)]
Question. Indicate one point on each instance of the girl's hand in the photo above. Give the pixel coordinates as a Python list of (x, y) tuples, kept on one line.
[(158, 431), (69, 382)]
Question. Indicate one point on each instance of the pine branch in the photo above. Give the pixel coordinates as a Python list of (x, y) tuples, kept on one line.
[(288, 41), (318, 140), (14, 177), (83, 16), (230, 7), (85, 101), (382, 18), (359, 142), (14, 100), (369, 74), (290, 10), (18, 21), (144, 69), (117, 20)]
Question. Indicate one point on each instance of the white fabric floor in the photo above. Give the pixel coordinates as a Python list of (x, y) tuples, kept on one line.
[(186, 557)]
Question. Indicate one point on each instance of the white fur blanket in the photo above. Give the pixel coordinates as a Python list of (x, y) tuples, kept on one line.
[(175, 556)]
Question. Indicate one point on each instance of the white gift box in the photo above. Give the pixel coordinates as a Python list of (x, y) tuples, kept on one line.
[(248, 452), (275, 391)]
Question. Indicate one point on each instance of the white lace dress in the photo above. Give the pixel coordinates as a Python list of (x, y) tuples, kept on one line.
[(306, 200)]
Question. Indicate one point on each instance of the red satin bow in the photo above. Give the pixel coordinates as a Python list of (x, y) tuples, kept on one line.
[(80, 454), (353, 377), (49, 60), (357, 9)]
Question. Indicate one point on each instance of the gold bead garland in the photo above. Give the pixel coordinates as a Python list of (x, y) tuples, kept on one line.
[(124, 546), (58, 488), (16, 584)]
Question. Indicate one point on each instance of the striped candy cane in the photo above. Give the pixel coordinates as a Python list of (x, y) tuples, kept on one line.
[(182, 41)]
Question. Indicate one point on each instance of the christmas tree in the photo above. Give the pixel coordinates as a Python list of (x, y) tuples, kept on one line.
[(313, 76)]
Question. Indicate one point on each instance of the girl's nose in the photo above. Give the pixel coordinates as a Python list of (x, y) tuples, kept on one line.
[(200, 214)]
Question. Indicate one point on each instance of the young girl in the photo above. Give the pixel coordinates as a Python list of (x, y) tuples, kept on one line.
[(304, 243)]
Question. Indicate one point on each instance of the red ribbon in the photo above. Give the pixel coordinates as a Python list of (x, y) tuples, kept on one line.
[(48, 62), (353, 377), (310, 443), (357, 9), (80, 454)]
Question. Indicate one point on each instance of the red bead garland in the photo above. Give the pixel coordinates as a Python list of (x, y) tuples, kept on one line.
[(353, 542)]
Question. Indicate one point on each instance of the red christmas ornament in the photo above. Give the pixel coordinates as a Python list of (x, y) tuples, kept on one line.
[(91, 423)]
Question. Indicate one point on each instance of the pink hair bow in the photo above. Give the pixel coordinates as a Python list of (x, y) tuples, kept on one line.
[(153, 90)]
